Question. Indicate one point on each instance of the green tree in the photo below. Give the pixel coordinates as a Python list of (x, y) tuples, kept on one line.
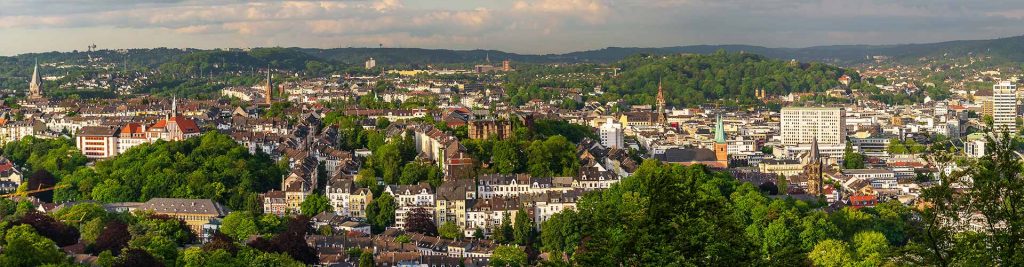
[(366, 260), (523, 228), (506, 157), (831, 253), (871, 247), (851, 159), (505, 233), (239, 225), (508, 256), (26, 248), (449, 230), (380, 212), (315, 204)]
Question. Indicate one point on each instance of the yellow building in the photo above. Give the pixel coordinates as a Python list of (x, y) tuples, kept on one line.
[(358, 201), (194, 212)]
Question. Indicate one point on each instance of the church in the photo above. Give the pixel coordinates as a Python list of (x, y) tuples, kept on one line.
[(718, 157)]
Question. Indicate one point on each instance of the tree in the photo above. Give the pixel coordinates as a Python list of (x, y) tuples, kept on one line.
[(508, 256), (26, 248), (138, 257), (506, 157), (42, 179), (114, 237), (851, 159), (419, 220), (315, 204), (523, 228), (871, 247), (366, 260), (505, 233), (449, 230), (239, 225), (62, 234), (380, 212), (831, 253)]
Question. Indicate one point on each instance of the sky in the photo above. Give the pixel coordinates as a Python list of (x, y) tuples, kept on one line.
[(521, 26)]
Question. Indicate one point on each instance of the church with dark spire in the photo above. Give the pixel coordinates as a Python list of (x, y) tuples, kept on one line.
[(268, 96), (812, 171)]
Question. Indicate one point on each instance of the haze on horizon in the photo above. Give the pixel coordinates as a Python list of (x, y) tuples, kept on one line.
[(522, 26)]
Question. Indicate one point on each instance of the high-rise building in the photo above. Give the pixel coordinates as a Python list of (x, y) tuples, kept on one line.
[(370, 63), (611, 134), (1004, 106), (35, 86), (803, 125)]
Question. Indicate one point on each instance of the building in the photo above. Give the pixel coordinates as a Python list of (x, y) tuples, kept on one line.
[(173, 127), (35, 86), (1004, 107), (813, 171), (370, 63), (661, 105), (131, 135), (801, 125), (484, 129), (879, 178), (194, 212), (97, 142), (611, 134)]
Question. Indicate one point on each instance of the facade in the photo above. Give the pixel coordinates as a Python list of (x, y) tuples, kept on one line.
[(801, 125), (611, 134), (194, 212), (1004, 107), (370, 63), (484, 129), (97, 142), (880, 178)]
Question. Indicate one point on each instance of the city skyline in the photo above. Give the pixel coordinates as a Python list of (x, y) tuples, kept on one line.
[(529, 26)]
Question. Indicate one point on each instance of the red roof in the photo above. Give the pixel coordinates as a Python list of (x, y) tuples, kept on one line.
[(186, 125), (131, 128)]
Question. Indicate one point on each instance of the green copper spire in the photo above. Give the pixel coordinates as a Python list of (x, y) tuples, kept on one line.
[(719, 131)]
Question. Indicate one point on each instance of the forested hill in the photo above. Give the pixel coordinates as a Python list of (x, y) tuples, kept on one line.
[(1010, 49), (690, 80)]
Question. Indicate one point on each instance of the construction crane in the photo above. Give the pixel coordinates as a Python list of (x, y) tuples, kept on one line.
[(37, 190)]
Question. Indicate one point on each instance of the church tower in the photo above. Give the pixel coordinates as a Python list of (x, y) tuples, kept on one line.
[(35, 86), (721, 147), (813, 170), (661, 105), (269, 94)]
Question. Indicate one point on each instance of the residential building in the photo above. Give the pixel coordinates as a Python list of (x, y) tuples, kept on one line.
[(1004, 107), (611, 134), (97, 142)]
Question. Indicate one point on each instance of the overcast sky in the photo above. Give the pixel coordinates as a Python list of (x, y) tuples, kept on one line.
[(523, 26)]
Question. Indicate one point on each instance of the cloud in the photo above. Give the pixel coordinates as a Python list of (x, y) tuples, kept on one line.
[(532, 26)]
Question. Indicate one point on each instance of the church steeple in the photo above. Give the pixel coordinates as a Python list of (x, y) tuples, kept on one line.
[(721, 147), (36, 84), (719, 131), (813, 170), (661, 103), (269, 94)]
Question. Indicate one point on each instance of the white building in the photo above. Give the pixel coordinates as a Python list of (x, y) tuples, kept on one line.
[(1004, 106), (611, 134), (880, 178), (370, 63), (801, 125)]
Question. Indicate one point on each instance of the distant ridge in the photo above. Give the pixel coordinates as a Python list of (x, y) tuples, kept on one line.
[(1010, 49)]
